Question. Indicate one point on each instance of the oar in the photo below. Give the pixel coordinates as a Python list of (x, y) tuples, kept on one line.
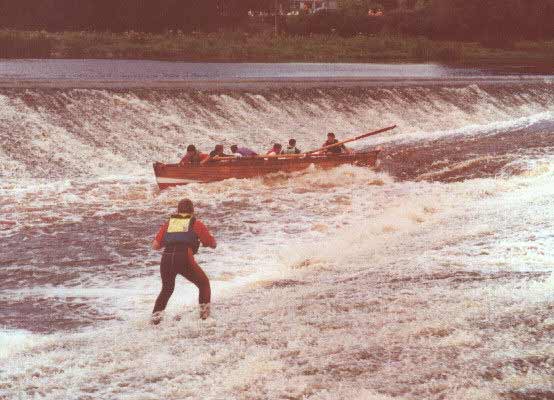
[(352, 139), (217, 158), (328, 147)]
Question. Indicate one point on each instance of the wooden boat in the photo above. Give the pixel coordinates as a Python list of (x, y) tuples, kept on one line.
[(249, 167)]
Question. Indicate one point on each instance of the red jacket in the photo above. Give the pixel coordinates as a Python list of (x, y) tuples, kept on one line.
[(201, 231)]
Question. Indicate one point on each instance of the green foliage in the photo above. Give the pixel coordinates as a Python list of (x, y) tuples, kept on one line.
[(449, 53), (332, 22), (494, 23), (354, 8), (263, 47), (25, 44), (422, 51)]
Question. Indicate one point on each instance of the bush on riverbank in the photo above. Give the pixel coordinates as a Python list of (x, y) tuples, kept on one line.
[(15, 44), (262, 47), (331, 22)]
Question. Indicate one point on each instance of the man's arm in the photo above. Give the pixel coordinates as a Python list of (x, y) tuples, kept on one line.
[(157, 243), (184, 161), (206, 238), (209, 158)]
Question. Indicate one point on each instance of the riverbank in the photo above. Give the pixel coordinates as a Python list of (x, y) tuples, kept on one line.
[(239, 47)]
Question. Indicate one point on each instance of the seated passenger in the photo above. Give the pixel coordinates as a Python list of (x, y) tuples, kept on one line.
[(275, 150), (242, 151), (331, 139), (193, 156), (218, 151), (291, 148)]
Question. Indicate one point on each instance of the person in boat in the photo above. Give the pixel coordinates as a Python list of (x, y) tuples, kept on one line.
[(242, 151), (216, 153), (180, 237), (331, 139), (193, 156), (275, 150), (291, 148)]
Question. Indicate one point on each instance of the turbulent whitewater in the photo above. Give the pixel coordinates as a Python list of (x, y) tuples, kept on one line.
[(430, 277)]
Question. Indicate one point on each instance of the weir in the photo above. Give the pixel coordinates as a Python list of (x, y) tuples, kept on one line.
[(56, 133)]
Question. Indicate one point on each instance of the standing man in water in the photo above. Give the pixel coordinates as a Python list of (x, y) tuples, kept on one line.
[(181, 237)]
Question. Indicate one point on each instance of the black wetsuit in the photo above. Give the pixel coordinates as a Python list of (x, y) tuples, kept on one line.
[(179, 263)]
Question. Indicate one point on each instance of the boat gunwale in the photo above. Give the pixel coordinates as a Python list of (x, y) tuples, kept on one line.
[(254, 161), (249, 167)]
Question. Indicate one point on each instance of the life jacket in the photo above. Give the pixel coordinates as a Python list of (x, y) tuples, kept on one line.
[(336, 149), (180, 233), (291, 150)]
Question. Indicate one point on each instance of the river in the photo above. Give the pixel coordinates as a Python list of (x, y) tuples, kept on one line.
[(428, 277)]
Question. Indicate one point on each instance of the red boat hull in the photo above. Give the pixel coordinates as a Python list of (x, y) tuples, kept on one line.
[(168, 175)]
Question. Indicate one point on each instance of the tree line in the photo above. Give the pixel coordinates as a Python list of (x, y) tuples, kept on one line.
[(122, 15), (494, 22), (488, 21)]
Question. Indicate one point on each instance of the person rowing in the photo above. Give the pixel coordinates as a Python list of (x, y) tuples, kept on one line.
[(331, 139), (180, 237), (193, 156), (291, 148), (216, 153), (242, 151), (275, 150)]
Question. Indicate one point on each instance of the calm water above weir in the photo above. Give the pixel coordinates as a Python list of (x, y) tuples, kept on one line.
[(165, 70)]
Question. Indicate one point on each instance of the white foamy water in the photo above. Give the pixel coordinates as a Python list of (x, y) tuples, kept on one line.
[(67, 133), (414, 290), (347, 283)]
